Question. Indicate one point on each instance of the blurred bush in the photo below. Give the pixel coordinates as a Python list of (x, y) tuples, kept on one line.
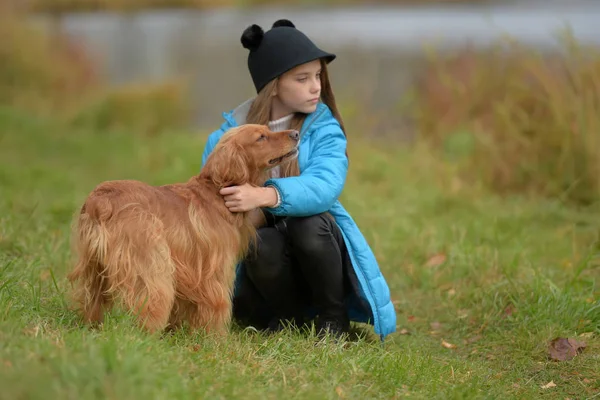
[(51, 74), (518, 120), (147, 108), (130, 5), (38, 71)]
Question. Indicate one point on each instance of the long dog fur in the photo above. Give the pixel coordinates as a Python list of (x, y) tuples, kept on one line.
[(167, 253)]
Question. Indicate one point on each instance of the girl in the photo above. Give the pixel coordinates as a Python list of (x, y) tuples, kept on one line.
[(311, 258)]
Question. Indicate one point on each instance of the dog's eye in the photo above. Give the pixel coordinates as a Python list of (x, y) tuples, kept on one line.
[(262, 137)]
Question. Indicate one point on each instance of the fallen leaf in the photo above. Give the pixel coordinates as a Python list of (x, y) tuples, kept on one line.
[(436, 260), (549, 385), (404, 332), (474, 339), (435, 326), (451, 292), (563, 349), (586, 380), (411, 318), (587, 335), (509, 310), (340, 392), (448, 345)]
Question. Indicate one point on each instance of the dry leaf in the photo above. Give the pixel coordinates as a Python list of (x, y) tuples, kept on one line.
[(473, 339), (436, 260), (549, 385), (509, 310), (340, 392), (563, 349), (411, 318), (587, 335), (404, 332), (448, 345), (451, 292)]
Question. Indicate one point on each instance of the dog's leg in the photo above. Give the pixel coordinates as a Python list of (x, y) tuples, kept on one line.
[(213, 311), (152, 303), (91, 294), (90, 286), (144, 281), (140, 270)]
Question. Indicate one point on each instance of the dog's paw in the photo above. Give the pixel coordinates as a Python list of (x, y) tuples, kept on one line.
[(252, 37)]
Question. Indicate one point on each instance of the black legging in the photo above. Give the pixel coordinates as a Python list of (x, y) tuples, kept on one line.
[(297, 262)]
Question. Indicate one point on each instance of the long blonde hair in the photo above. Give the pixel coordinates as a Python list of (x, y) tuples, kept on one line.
[(260, 113)]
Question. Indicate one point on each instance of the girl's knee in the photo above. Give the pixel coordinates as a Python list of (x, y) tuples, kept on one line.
[(265, 252), (310, 234)]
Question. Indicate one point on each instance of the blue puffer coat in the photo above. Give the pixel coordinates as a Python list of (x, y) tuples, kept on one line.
[(323, 168)]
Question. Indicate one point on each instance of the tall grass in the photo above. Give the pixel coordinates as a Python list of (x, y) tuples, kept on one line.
[(523, 121)]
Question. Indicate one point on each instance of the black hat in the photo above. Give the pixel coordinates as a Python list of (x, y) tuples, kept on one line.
[(278, 50)]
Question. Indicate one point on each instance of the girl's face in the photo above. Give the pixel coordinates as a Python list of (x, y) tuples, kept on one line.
[(298, 90)]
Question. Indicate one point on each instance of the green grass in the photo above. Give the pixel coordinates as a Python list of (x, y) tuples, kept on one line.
[(518, 272)]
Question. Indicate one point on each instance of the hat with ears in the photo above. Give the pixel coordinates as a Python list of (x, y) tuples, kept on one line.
[(278, 50)]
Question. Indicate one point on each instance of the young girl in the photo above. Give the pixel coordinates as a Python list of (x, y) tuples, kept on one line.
[(311, 258)]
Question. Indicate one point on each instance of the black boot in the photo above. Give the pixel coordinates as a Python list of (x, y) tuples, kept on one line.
[(335, 327)]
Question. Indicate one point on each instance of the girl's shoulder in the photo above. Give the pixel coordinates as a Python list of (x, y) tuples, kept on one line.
[(321, 119)]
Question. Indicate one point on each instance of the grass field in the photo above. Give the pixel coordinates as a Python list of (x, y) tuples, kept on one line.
[(481, 284)]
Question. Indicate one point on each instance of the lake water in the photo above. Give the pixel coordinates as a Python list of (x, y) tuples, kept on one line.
[(376, 46)]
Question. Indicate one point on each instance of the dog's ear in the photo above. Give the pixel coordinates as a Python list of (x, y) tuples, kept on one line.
[(228, 165)]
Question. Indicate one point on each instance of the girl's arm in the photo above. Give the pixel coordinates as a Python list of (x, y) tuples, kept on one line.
[(320, 183)]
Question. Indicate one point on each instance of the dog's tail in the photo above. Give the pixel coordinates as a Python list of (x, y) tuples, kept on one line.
[(126, 259)]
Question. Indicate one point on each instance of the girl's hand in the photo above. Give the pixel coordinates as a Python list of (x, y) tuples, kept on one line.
[(247, 197)]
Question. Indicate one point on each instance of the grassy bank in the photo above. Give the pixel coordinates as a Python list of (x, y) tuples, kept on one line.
[(481, 285)]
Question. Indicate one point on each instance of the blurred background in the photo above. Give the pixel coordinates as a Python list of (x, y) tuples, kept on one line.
[(510, 86)]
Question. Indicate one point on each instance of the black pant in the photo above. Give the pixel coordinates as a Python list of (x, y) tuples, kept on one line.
[(297, 262)]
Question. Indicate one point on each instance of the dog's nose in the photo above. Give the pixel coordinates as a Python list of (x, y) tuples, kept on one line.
[(295, 135)]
